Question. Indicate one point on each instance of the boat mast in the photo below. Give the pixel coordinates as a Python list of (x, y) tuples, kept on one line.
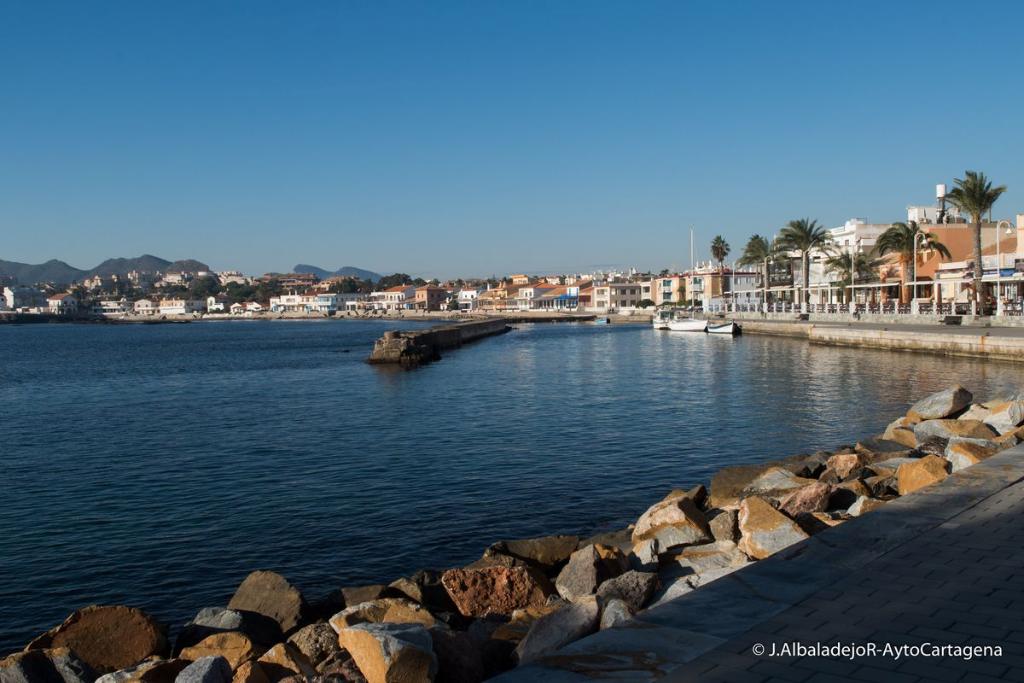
[(691, 271)]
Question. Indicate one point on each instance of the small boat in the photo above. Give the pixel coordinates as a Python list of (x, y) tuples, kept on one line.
[(730, 328), (661, 319), (688, 325), (602, 321)]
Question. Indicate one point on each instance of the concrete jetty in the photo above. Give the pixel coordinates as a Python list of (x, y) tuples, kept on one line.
[(415, 348)]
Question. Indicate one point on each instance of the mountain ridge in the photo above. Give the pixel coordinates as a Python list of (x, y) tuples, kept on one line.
[(62, 273), (344, 271)]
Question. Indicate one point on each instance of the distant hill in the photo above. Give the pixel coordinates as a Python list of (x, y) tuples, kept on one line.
[(61, 273), (344, 271), (51, 271)]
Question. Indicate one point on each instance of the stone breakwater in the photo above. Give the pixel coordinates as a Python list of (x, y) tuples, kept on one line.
[(524, 599), (411, 349)]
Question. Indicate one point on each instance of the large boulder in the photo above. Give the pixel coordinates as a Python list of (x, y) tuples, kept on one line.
[(391, 653), (210, 620), (705, 562), (546, 552), (728, 483), (863, 505), (811, 498), (764, 530), (947, 429), (614, 612), (561, 627), (149, 671), (923, 472), (283, 661), (390, 610), (319, 644), (963, 453), (901, 431), (236, 648), (675, 521), (206, 670), (588, 568), (496, 590), (1006, 417), (270, 594), (53, 665), (844, 463), (250, 672), (107, 638), (633, 588), (942, 404), (775, 483), (356, 595)]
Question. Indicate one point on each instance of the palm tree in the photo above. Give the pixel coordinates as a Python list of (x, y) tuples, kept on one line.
[(757, 253), (804, 236), (975, 195), (719, 250), (841, 264), (900, 238)]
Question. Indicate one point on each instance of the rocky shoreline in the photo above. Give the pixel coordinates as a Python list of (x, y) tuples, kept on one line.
[(524, 599)]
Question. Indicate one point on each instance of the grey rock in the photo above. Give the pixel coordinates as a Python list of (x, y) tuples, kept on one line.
[(614, 612), (942, 404), (319, 643), (633, 588), (644, 556), (621, 539), (723, 525), (552, 631), (588, 568), (56, 665), (206, 670), (1006, 417), (546, 552), (209, 620), (674, 589)]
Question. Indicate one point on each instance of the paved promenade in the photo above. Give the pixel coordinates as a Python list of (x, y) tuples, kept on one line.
[(942, 566)]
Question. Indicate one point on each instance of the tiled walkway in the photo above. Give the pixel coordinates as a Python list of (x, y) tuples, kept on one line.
[(943, 566)]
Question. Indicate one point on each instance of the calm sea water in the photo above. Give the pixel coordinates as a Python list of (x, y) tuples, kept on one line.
[(157, 465)]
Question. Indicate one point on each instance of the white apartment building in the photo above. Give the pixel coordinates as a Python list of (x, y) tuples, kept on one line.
[(467, 299), (182, 306), (23, 297), (62, 304), (394, 298), (113, 307), (146, 307)]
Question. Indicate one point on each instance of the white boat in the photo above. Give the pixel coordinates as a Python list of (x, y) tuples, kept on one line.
[(729, 328), (661, 319), (688, 325)]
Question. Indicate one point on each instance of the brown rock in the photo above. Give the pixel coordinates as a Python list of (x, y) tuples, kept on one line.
[(283, 660), (676, 521), (843, 464), (522, 619), (864, 505), (270, 594), (1004, 418), (728, 483), (250, 672), (947, 429), (356, 595), (764, 530), (816, 522), (775, 483), (901, 431), (235, 647), (390, 610), (846, 494), (342, 672), (107, 638), (811, 498), (391, 653), (424, 587), (915, 475), (881, 485), (547, 552), (496, 590)]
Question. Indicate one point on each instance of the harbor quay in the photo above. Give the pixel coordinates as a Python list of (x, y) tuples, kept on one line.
[(893, 558)]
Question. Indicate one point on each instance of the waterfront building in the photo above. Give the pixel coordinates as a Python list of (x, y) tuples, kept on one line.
[(399, 297), (237, 308), (63, 303), (857, 234), (181, 306), (228, 277), (559, 299), (218, 304), (430, 298), (174, 280), (468, 297), (146, 307), (526, 296), (18, 297), (254, 307), (113, 307), (668, 290), (519, 279)]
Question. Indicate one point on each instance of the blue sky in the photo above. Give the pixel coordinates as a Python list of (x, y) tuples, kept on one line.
[(446, 139)]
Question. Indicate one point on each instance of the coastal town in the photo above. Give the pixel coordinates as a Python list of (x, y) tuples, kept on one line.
[(922, 265)]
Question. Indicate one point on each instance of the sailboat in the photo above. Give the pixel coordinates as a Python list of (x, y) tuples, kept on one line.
[(690, 324)]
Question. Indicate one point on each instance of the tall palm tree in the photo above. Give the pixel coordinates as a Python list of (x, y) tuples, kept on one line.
[(840, 263), (805, 236), (719, 250), (899, 239), (975, 195), (756, 254)]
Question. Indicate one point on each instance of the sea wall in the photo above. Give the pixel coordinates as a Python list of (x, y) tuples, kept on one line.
[(974, 343), (413, 348), (641, 599)]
